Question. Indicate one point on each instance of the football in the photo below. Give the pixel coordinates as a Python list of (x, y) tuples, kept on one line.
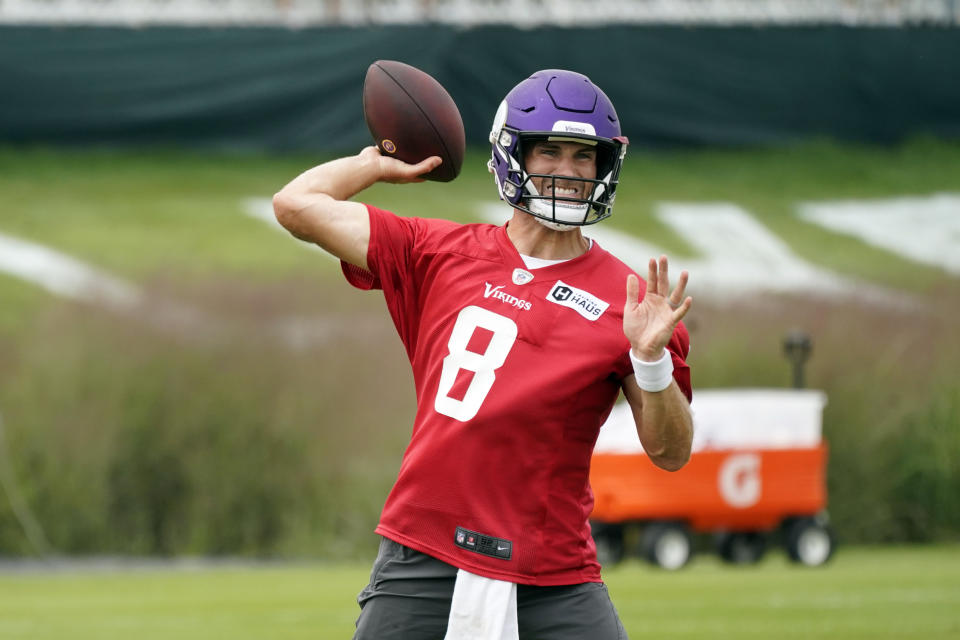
[(412, 117)]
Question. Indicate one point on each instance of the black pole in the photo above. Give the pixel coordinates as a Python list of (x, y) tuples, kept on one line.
[(797, 346)]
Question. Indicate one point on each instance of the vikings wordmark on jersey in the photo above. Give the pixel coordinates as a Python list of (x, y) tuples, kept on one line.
[(497, 293)]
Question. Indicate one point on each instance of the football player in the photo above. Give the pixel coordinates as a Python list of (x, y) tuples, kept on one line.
[(520, 337)]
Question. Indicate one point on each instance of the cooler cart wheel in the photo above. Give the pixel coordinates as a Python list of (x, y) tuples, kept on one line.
[(810, 541), (741, 547), (609, 541), (667, 545)]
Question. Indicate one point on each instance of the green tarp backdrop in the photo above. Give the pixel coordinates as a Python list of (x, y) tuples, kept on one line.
[(281, 89)]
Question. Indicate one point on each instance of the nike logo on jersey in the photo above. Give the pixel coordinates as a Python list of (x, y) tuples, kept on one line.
[(482, 543), (583, 302), (497, 293)]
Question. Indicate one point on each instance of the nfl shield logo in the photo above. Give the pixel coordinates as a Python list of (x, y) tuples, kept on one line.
[(521, 276), (460, 537)]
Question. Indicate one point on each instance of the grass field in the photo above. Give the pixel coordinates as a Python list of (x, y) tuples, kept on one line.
[(143, 212), (865, 593)]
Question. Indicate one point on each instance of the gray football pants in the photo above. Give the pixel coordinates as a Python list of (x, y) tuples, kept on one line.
[(409, 596)]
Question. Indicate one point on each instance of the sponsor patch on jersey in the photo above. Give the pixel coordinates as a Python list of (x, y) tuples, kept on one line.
[(583, 302), (483, 544), (521, 276), (497, 293)]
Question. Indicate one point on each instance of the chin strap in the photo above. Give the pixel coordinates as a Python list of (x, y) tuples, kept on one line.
[(556, 226), (555, 212)]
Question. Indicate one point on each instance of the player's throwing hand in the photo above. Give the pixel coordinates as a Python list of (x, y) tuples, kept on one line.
[(398, 171), (650, 322)]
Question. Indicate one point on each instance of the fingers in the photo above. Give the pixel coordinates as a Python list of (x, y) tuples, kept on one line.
[(682, 310), (401, 168), (658, 282), (652, 276), (398, 171), (633, 290), (663, 279), (426, 166), (677, 294), (658, 278)]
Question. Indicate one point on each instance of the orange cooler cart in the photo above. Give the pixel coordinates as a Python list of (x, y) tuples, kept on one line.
[(758, 470)]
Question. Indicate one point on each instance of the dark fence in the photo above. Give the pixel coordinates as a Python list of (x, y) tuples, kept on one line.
[(281, 89)]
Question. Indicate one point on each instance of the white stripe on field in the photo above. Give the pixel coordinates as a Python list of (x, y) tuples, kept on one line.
[(71, 278), (739, 256), (923, 229), (65, 276)]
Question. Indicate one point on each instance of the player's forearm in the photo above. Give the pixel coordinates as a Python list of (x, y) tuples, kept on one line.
[(339, 179), (314, 207), (665, 427)]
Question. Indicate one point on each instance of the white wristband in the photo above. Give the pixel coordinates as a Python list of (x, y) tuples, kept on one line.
[(653, 376)]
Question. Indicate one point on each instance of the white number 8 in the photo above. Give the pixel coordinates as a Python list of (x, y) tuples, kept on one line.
[(482, 365)]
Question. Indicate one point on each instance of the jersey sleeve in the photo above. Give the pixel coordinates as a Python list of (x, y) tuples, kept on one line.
[(391, 238), (391, 258), (679, 348)]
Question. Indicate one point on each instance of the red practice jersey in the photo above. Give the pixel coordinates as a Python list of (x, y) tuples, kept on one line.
[(515, 371)]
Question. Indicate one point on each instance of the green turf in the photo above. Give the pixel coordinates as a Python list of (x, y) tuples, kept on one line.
[(21, 301), (864, 593), (165, 212), (203, 603), (149, 214)]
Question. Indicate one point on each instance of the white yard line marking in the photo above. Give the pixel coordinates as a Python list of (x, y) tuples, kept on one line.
[(923, 229), (68, 277), (65, 276), (739, 256)]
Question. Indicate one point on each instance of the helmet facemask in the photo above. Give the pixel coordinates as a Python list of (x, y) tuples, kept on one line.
[(568, 201), (595, 199)]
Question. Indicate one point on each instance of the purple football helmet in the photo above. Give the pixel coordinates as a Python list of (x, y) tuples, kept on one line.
[(565, 106)]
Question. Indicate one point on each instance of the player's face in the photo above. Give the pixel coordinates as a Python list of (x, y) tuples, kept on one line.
[(569, 159)]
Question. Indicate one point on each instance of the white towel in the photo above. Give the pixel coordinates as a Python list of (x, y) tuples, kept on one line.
[(482, 609)]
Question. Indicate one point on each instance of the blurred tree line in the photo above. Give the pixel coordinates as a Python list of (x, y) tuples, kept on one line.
[(128, 440)]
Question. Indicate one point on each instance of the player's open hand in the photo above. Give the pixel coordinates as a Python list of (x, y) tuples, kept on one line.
[(398, 171), (650, 322)]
